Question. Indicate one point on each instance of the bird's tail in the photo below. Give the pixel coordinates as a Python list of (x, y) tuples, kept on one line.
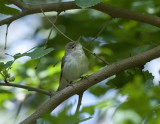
[(79, 103), (62, 84)]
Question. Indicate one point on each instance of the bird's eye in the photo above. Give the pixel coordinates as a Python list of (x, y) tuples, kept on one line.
[(72, 47)]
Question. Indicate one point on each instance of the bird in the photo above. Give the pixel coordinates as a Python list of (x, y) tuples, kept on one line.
[(74, 64)]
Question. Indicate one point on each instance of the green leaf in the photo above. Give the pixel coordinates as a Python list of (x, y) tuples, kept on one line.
[(2, 65), (4, 2), (39, 52), (18, 55), (8, 10), (88, 109), (120, 80), (8, 64), (87, 3), (127, 76), (98, 90), (149, 80), (42, 121)]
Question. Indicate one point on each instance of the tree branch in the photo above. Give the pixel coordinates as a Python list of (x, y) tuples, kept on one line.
[(114, 12), (27, 87), (91, 80)]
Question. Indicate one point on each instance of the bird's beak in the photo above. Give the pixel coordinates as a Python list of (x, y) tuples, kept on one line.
[(77, 42)]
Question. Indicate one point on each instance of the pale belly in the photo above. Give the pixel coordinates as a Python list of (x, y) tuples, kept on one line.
[(75, 67)]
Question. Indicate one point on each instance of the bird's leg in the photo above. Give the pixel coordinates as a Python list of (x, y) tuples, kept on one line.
[(70, 84)]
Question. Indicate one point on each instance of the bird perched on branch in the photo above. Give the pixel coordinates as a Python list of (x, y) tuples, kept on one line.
[(74, 65)]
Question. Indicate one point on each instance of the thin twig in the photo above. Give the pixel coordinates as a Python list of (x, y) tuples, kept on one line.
[(71, 39), (18, 111), (52, 28), (104, 26), (153, 43), (105, 62), (56, 26), (5, 46), (38, 63), (48, 35), (56, 63), (26, 87)]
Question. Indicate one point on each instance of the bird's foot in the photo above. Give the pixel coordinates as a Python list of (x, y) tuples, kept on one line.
[(70, 84)]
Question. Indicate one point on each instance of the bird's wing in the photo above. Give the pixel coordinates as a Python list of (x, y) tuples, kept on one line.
[(62, 64)]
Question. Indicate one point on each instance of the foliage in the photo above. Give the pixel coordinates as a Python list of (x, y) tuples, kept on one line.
[(5, 9), (37, 53), (85, 4), (130, 97)]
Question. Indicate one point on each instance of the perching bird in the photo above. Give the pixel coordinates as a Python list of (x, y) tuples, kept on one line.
[(74, 65)]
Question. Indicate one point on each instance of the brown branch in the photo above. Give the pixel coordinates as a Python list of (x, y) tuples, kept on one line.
[(114, 12), (27, 87), (91, 80)]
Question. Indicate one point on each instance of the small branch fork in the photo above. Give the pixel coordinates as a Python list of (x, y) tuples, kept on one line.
[(27, 88), (104, 26), (55, 20), (53, 25)]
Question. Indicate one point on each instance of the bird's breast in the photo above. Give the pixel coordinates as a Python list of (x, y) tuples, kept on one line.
[(75, 66)]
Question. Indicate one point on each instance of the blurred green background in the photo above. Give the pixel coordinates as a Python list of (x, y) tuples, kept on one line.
[(130, 97)]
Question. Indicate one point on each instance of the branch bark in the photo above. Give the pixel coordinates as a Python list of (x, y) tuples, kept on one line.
[(114, 12), (91, 80)]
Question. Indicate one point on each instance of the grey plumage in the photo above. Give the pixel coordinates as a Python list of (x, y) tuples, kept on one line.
[(74, 64)]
